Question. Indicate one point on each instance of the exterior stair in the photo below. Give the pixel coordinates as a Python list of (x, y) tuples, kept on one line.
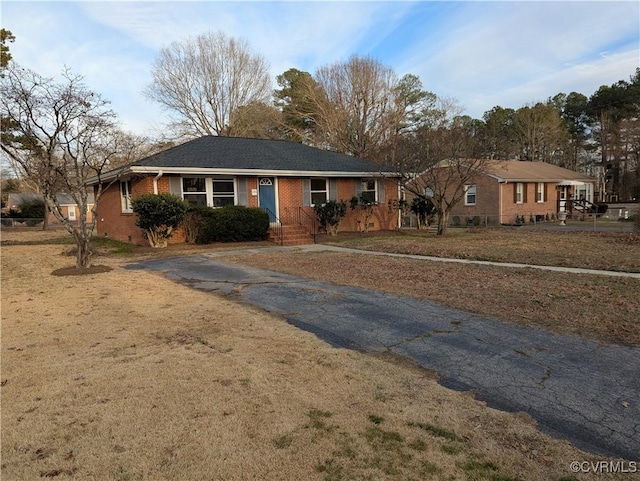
[(292, 235)]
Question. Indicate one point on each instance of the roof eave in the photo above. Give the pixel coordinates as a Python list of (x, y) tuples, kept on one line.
[(140, 169)]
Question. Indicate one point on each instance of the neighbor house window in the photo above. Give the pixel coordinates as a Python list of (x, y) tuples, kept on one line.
[(519, 193), (540, 192), (223, 192), (470, 194), (428, 192), (368, 193), (194, 190), (125, 197), (318, 191)]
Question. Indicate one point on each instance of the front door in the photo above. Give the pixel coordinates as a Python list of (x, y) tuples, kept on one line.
[(564, 191), (267, 196)]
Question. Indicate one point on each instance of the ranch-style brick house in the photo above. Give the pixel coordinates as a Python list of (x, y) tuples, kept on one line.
[(504, 191), (284, 178)]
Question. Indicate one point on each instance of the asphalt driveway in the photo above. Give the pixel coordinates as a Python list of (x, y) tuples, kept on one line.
[(574, 388)]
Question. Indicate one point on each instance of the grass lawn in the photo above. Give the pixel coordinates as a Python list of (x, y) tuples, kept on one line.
[(125, 375), (618, 251)]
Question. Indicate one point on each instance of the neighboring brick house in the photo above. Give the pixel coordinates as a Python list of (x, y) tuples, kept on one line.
[(284, 178), (68, 206), (503, 191)]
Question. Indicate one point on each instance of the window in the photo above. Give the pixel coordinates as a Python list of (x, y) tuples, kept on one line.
[(368, 193), (223, 192), (125, 197), (519, 193), (194, 190), (428, 192), (72, 212), (470, 194), (540, 192), (318, 191)]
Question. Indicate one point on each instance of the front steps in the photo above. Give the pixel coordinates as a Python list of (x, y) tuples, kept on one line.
[(292, 235)]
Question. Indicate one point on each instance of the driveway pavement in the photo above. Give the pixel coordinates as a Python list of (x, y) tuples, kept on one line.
[(576, 389)]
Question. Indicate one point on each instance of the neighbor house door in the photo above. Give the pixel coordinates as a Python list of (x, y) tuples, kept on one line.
[(564, 194), (267, 196)]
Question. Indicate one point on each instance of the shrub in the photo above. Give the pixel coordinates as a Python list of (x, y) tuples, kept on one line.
[(33, 211), (456, 220), (158, 216), (424, 210), (330, 214), (232, 223), (193, 222)]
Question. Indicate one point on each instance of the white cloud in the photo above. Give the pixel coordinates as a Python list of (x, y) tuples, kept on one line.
[(526, 51)]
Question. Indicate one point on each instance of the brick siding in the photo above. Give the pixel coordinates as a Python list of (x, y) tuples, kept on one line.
[(115, 224)]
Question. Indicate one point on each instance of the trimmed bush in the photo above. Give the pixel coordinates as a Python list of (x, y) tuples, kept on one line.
[(158, 216), (33, 211), (232, 223)]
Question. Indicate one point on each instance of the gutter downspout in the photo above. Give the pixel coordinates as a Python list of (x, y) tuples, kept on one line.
[(401, 196), (500, 186), (155, 182)]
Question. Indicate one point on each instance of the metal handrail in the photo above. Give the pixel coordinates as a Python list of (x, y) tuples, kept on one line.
[(279, 231), (307, 217)]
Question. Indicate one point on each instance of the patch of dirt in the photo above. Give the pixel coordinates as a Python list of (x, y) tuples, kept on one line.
[(74, 271)]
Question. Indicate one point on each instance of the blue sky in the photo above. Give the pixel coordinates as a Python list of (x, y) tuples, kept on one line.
[(481, 53)]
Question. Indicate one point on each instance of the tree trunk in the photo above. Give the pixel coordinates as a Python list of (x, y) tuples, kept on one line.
[(45, 222), (443, 220), (83, 258)]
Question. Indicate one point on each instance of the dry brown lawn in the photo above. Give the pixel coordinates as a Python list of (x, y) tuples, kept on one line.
[(125, 375), (616, 251)]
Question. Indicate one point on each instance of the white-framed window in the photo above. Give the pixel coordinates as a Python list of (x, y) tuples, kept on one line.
[(125, 197), (428, 192), (224, 192), (368, 194), (470, 194), (71, 210), (519, 193), (540, 192), (194, 190), (318, 190)]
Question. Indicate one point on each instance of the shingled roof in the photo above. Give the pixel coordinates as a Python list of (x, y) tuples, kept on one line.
[(524, 171), (245, 155)]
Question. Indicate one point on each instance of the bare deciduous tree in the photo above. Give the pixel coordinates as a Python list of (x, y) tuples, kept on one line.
[(204, 80), (59, 135), (440, 158), (540, 133), (354, 104)]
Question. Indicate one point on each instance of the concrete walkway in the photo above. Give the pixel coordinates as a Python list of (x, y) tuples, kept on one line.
[(574, 388)]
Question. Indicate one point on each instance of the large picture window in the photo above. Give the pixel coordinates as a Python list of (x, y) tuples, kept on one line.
[(223, 192), (194, 190), (125, 197), (318, 191), (470, 194), (368, 193)]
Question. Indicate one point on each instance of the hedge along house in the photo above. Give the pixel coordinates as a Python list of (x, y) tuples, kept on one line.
[(285, 179), (509, 191)]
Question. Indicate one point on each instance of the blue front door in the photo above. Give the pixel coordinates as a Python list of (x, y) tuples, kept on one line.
[(267, 196)]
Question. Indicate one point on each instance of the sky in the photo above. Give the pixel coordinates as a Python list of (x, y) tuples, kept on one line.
[(481, 53)]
